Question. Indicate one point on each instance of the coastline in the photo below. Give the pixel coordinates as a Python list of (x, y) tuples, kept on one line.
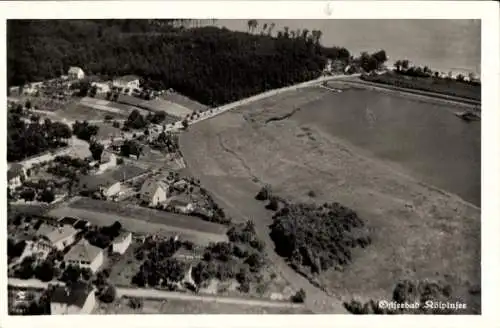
[(423, 95)]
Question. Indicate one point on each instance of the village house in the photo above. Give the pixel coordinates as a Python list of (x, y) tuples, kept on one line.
[(126, 84), (85, 255), (59, 236), (77, 299), (122, 242), (153, 192), (75, 73), (15, 175)]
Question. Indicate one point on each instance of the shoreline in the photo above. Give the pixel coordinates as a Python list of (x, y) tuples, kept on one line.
[(448, 99)]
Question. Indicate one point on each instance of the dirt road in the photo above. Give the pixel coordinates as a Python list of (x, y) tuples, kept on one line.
[(160, 294)]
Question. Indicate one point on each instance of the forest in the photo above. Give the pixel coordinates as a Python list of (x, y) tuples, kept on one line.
[(208, 64)]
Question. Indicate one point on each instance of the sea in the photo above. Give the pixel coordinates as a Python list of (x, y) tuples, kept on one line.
[(444, 45)]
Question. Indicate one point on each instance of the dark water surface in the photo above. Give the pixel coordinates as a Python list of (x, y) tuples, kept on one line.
[(428, 140)]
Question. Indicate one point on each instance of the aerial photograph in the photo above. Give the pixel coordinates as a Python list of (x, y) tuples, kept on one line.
[(243, 166)]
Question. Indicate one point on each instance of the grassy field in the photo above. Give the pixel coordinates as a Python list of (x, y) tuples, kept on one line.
[(438, 85), (191, 307), (143, 220), (418, 232), (78, 111), (107, 131)]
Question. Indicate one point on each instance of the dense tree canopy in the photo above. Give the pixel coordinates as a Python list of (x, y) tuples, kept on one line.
[(317, 237), (28, 139), (211, 65), (84, 130)]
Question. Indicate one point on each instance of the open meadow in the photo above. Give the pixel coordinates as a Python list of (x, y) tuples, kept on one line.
[(143, 220), (418, 231)]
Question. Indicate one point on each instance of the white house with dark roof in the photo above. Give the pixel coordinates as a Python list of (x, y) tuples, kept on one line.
[(75, 73), (121, 243), (85, 255), (77, 299), (153, 192)]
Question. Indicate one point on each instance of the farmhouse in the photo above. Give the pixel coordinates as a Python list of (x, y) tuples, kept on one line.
[(79, 299), (122, 242), (75, 73), (153, 192), (126, 84), (15, 175), (57, 236), (85, 255)]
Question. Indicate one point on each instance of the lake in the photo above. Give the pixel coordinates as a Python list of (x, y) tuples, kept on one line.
[(426, 139), (442, 44)]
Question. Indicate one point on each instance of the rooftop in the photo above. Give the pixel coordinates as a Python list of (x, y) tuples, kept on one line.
[(56, 233), (74, 69), (150, 186), (122, 236), (75, 295), (83, 251), (127, 78)]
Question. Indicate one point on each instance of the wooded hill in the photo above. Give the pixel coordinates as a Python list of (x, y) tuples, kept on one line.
[(209, 64)]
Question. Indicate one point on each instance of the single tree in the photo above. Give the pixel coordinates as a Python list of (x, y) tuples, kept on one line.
[(96, 149)]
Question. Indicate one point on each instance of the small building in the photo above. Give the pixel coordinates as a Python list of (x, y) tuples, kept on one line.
[(75, 73), (15, 175), (122, 242), (153, 192), (59, 236), (126, 84), (77, 299), (85, 255)]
